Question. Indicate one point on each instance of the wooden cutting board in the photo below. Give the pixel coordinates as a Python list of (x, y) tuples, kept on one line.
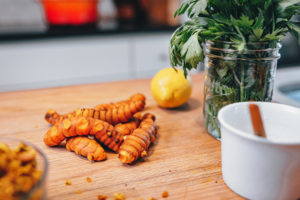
[(185, 160)]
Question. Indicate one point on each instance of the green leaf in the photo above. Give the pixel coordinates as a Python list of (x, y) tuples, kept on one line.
[(258, 33), (286, 3), (289, 11), (239, 44), (181, 10), (295, 26), (192, 51), (259, 22), (199, 8), (244, 21), (222, 71), (218, 17), (275, 35)]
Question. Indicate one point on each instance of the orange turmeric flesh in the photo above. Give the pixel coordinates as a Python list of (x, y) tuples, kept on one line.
[(86, 147), (113, 113), (137, 144), (81, 126)]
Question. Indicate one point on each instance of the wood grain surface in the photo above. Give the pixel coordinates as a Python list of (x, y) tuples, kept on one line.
[(185, 160)]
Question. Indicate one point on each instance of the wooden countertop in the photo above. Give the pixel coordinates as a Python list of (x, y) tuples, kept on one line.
[(185, 160)]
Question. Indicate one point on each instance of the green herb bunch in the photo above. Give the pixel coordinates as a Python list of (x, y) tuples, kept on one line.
[(241, 39), (238, 21)]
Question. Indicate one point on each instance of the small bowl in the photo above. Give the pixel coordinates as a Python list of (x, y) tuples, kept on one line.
[(38, 191), (261, 168)]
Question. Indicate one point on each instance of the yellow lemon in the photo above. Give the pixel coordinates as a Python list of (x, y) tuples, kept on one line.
[(170, 88)]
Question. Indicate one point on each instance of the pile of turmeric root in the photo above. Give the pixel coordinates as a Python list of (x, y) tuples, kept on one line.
[(119, 126)]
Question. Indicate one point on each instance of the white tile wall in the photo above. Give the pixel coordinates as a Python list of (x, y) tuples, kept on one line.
[(20, 12), (56, 62), (63, 61)]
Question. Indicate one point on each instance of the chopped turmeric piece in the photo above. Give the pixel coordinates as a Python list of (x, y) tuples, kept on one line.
[(101, 197), (88, 179), (119, 196), (151, 198), (68, 182), (165, 194), (78, 191), (18, 171)]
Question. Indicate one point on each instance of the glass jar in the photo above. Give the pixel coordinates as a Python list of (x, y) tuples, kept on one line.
[(233, 75)]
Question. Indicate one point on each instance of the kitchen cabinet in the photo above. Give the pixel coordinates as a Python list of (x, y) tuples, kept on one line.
[(78, 60), (151, 54)]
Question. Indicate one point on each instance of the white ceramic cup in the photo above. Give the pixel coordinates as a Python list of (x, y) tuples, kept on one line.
[(259, 168)]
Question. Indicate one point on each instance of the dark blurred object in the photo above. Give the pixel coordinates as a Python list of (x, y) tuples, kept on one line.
[(290, 51), (162, 11), (70, 12), (130, 12)]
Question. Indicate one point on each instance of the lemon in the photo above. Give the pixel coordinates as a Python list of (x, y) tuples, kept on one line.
[(170, 88)]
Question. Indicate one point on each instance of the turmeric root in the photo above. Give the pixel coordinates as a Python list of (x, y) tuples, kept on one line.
[(129, 127), (135, 97), (111, 114), (52, 116), (86, 147), (136, 144), (81, 126)]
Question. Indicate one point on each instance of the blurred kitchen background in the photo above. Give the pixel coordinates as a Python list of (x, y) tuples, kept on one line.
[(48, 43)]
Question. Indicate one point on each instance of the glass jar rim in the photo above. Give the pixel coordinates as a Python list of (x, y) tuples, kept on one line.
[(212, 47)]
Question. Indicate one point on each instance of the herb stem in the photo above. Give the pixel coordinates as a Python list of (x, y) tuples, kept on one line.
[(242, 83), (216, 126), (266, 80), (212, 113), (235, 76)]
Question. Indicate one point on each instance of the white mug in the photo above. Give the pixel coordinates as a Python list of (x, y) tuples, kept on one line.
[(260, 168)]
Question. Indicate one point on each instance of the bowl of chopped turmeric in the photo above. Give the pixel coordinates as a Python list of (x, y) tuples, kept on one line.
[(23, 170)]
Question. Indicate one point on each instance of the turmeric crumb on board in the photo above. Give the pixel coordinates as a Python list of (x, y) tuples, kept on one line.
[(88, 179), (119, 196), (165, 194), (101, 197), (209, 179), (68, 182), (151, 198), (78, 191)]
